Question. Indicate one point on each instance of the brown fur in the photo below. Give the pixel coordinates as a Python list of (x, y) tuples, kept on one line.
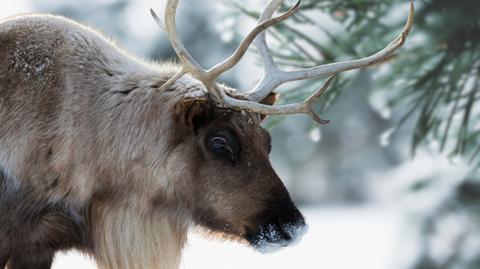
[(94, 157)]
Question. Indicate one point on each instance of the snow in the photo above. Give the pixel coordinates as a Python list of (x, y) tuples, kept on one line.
[(315, 135), (365, 235), (386, 136), (264, 245), (27, 60), (379, 102), (338, 237)]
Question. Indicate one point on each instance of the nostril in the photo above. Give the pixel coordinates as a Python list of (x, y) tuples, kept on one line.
[(295, 231), (287, 235), (292, 228)]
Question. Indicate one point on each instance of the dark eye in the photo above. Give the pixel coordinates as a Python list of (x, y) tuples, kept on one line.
[(224, 144), (218, 143)]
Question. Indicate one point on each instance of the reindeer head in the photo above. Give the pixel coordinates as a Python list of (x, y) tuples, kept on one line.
[(227, 179), (223, 175)]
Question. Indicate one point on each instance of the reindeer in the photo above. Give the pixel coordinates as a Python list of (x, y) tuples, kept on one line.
[(118, 157)]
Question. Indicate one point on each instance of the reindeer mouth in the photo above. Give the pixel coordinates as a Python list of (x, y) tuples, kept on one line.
[(274, 236)]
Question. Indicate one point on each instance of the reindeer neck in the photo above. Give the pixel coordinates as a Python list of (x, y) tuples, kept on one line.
[(125, 238)]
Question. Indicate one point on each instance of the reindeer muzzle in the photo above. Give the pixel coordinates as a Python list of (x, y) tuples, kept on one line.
[(282, 228)]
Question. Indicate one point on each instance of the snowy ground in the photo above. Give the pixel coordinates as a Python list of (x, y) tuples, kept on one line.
[(340, 238)]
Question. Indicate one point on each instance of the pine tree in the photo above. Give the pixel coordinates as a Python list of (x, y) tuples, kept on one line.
[(435, 76)]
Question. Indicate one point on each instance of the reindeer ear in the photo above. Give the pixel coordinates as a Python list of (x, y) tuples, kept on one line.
[(270, 100), (194, 113)]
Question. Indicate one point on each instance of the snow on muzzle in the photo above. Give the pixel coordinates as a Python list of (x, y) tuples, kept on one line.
[(281, 229)]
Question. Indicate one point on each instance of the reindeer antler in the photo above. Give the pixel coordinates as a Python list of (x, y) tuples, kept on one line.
[(273, 76)]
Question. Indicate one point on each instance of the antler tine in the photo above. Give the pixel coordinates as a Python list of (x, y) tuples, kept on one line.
[(190, 65), (271, 71), (267, 13), (305, 107), (157, 20), (275, 77), (244, 45), (188, 62)]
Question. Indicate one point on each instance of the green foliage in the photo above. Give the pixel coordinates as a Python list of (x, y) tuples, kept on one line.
[(433, 80), (442, 75)]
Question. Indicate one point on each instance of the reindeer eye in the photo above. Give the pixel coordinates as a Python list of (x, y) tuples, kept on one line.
[(224, 144), (218, 143)]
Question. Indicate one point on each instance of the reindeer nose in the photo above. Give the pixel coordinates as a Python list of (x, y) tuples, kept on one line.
[(283, 228), (292, 226), (290, 217), (294, 231)]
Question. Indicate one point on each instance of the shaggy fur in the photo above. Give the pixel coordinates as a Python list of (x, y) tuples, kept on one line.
[(94, 157)]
